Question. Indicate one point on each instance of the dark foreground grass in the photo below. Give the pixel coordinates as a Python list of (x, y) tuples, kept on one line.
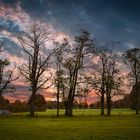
[(80, 127)]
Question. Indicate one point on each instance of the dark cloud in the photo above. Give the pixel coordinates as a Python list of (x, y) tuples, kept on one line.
[(12, 28), (9, 25), (11, 2), (116, 20), (11, 46)]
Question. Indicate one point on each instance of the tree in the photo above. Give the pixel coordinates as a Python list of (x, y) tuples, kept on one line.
[(59, 78), (132, 57), (107, 81), (74, 63), (132, 97), (37, 63), (112, 82), (98, 81), (40, 103), (6, 78)]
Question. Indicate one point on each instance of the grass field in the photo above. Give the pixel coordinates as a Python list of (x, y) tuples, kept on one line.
[(85, 125)]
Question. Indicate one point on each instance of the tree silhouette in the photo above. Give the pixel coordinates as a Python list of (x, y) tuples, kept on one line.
[(74, 63), (34, 70), (132, 57), (6, 78), (40, 103), (59, 74), (106, 81)]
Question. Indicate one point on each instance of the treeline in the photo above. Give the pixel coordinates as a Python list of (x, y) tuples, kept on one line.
[(74, 67), (42, 105), (18, 106)]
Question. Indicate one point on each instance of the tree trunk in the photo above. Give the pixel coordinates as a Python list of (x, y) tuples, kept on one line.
[(102, 104), (32, 105), (32, 109), (137, 99), (137, 104), (69, 104), (58, 103), (86, 103), (108, 104), (137, 109), (1, 102), (66, 107), (69, 107)]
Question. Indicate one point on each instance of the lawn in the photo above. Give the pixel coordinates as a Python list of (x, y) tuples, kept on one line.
[(85, 125)]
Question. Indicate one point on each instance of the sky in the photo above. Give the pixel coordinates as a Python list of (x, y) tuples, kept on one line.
[(107, 20)]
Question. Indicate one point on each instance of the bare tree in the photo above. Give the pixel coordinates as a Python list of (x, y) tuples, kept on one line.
[(98, 82), (113, 82), (74, 63), (106, 81), (37, 64), (59, 75), (132, 57), (6, 77)]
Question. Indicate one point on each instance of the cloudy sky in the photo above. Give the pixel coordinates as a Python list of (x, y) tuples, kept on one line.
[(115, 20), (107, 20)]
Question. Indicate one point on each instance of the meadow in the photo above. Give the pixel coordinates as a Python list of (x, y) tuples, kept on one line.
[(85, 125)]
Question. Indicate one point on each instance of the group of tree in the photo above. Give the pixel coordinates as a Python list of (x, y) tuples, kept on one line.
[(75, 73), (107, 80), (18, 106)]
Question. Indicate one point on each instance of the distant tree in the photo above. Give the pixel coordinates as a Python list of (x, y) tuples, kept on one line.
[(40, 103), (4, 103), (132, 97), (86, 90), (16, 106), (132, 57), (95, 105), (83, 89), (122, 103), (37, 64)]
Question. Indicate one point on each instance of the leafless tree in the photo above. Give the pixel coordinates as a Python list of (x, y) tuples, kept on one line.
[(113, 82), (106, 81), (132, 57), (74, 63), (37, 63), (6, 78), (98, 82), (59, 74)]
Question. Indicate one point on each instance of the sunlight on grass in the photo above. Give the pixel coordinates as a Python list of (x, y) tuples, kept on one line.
[(83, 112), (85, 125)]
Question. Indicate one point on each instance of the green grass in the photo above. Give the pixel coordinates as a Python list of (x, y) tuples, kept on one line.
[(85, 125), (83, 112)]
